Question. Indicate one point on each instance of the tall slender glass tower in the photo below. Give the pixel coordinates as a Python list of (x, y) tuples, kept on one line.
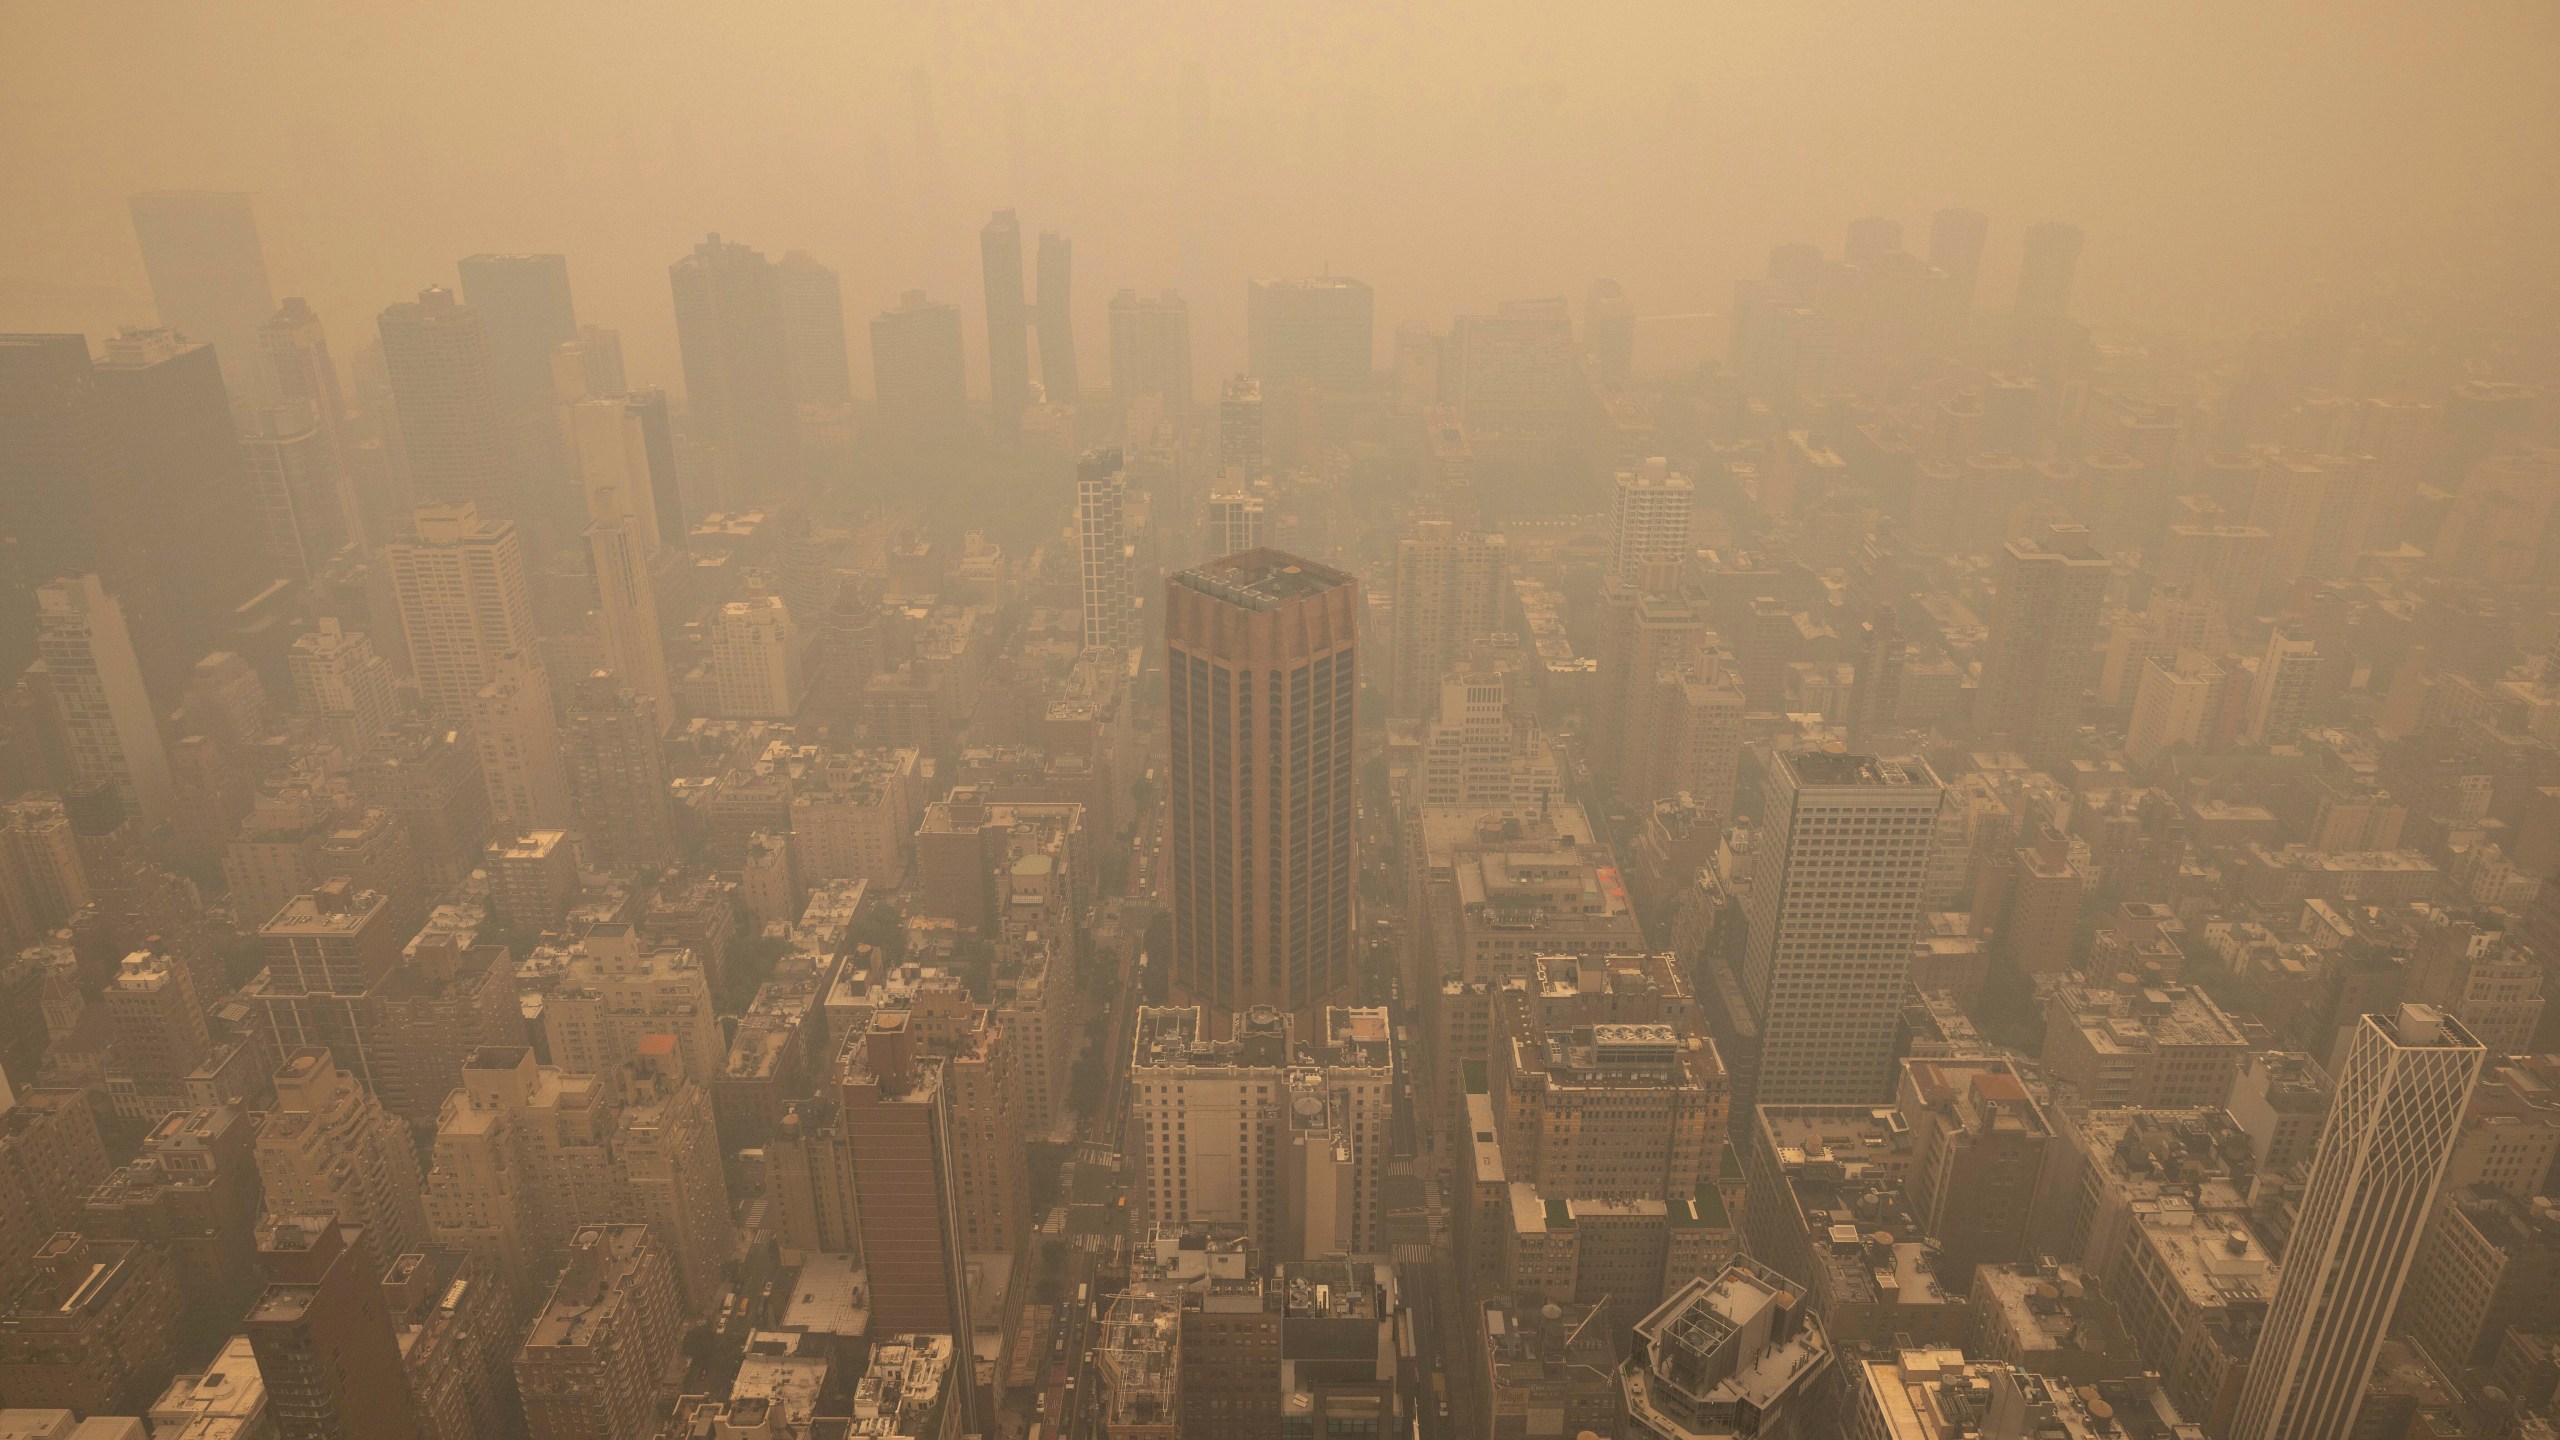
[(2398, 1111)]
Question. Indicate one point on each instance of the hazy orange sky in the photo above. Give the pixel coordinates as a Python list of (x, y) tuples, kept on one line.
[(2228, 161)]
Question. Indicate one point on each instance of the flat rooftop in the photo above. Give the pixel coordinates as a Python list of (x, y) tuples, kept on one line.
[(1262, 579)]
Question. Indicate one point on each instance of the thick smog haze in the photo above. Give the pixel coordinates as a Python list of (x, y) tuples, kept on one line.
[(2230, 163), (1300, 720)]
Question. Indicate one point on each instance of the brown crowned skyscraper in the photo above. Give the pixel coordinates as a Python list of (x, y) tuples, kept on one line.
[(1261, 683)]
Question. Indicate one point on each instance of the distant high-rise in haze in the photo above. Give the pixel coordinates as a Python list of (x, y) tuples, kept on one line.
[(737, 367), (209, 277), (1151, 349), (302, 492), (1320, 331), (1261, 655), (113, 729), (595, 358), (917, 369), (1955, 247), (1008, 322), (1835, 899), (525, 307), (2398, 1110), (1057, 320), (460, 585), (813, 327), (1648, 519), (453, 426), (1450, 592), (1110, 604), (1871, 237), (1240, 426), (177, 522), (2049, 259), (658, 443), (1609, 330), (2044, 627), (297, 356)]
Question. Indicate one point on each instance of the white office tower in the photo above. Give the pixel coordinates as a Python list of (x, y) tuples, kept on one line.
[(518, 741), (463, 603), (612, 445), (1238, 520), (627, 611), (1835, 900), (1649, 518), (2280, 696), (1102, 538), (97, 683), (755, 659), (2398, 1110)]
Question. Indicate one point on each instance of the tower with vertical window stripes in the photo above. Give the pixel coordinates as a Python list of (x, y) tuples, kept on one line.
[(1261, 679)]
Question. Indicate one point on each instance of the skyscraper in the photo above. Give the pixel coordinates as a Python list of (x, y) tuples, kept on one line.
[(1450, 591), (2050, 259), (2044, 630), (1261, 650), (525, 307), (917, 369), (611, 437), (1648, 519), (463, 603), (53, 457), (737, 367), (1835, 899), (617, 773), (658, 443), (896, 1110), (2280, 693), (594, 1364), (323, 1335), (511, 723), (297, 356), (301, 490), (1151, 349), (627, 611), (1320, 331), (209, 276), (755, 659), (344, 684), (453, 425), (106, 714), (813, 327), (1240, 426), (1955, 248), (2398, 1110), (1110, 596), (1008, 322), (178, 519), (1057, 320), (1609, 330)]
